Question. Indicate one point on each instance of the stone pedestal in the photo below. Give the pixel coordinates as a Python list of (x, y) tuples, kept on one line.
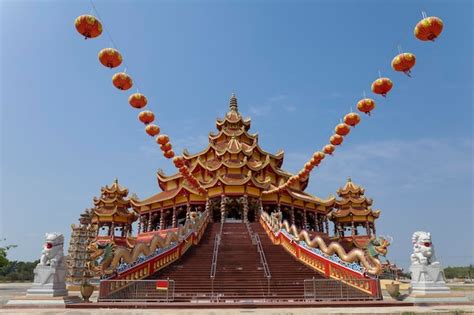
[(49, 281), (428, 279)]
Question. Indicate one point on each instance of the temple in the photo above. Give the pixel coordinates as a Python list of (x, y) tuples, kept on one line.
[(234, 170), (235, 235)]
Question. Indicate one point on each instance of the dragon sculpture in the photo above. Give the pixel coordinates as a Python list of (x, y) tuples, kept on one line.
[(106, 257), (368, 258)]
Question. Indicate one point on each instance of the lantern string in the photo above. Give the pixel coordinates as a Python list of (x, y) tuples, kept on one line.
[(111, 39), (400, 49), (103, 25), (136, 81)]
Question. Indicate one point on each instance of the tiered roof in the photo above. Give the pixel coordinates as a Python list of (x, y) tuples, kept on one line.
[(232, 163), (112, 205), (353, 205)]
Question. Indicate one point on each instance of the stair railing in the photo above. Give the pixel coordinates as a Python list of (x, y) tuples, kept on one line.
[(215, 254), (263, 260), (251, 234)]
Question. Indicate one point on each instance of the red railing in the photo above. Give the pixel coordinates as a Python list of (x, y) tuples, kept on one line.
[(323, 265), (152, 265)]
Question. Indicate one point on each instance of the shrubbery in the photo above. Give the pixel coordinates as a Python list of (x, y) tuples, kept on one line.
[(459, 272)]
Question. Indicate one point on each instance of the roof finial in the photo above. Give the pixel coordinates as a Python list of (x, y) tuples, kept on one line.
[(349, 179), (233, 103)]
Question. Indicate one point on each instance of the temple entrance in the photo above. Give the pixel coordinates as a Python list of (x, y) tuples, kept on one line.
[(234, 212), (234, 209)]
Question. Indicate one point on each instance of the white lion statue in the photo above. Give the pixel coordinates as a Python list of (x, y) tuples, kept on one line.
[(423, 250), (52, 254)]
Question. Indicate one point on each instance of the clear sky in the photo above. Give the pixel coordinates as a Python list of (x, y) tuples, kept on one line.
[(296, 66)]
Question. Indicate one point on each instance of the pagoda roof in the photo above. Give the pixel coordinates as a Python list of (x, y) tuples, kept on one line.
[(354, 200), (162, 196), (307, 197), (342, 213), (116, 211), (232, 157), (353, 203), (233, 146), (115, 188), (112, 205), (350, 187), (233, 116)]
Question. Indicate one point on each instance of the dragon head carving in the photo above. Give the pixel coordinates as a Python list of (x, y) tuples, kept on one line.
[(378, 246)]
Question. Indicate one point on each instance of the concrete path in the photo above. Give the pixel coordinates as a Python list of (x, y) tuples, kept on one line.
[(11, 290)]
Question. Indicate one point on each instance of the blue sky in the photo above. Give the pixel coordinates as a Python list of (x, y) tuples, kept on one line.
[(296, 66)]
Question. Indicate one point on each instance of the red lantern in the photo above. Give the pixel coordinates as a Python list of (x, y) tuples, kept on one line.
[(178, 161), (169, 154), (162, 139), (152, 130), (182, 169), (366, 105), (122, 81), (352, 119), (137, 100), (429, 28), (110, 57), (336, 139), (342, 129), (166, 147), (303, 174), (146, 117), (308, 166), (382, 86), (319, 156), (314, 161), (329, 149), (88, 26), (404, 62)]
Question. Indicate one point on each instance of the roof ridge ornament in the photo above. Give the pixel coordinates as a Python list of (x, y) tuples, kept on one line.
[(233, 103)]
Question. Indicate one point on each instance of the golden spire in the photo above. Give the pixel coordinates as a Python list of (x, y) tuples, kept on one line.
[(233, 103)]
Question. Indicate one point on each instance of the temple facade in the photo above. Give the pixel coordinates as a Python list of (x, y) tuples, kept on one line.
[(234, 170)]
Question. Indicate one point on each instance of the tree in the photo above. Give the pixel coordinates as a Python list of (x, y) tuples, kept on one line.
[(3, 254)]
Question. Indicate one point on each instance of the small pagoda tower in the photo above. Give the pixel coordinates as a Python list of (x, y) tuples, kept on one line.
[(82, 235), (111, 214), (352, 210)]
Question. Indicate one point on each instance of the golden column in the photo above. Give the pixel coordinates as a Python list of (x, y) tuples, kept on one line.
[(245, 203), (223, 209)]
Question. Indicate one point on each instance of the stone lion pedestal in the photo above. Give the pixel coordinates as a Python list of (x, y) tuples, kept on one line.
[(428, 284), (49, 281), (49, 286)]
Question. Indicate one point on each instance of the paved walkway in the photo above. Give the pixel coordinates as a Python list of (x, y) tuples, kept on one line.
[(11, 290), (288, 311)]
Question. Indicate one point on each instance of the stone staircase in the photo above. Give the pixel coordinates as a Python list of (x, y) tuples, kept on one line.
[(239, 275)]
